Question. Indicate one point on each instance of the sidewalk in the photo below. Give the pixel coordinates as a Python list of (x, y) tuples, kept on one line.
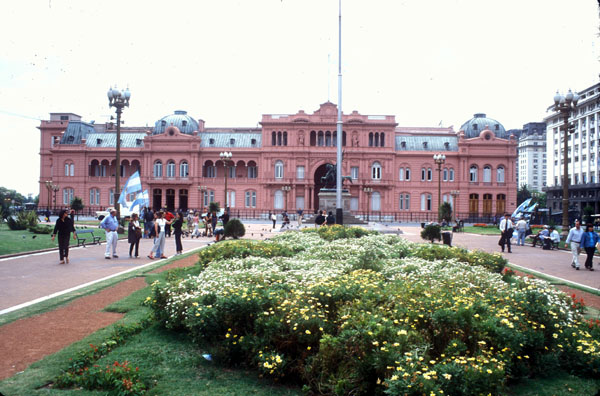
[(31, 278), (549, 262)]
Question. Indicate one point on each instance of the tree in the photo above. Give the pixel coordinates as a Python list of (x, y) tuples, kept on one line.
[(523, 194), (10, 197), (432, 232), (235, 229), (214, 207), (588, 211), (446, 212), (77, 204)]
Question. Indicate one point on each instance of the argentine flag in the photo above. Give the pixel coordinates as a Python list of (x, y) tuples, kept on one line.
[(142, 199), (134, 184)]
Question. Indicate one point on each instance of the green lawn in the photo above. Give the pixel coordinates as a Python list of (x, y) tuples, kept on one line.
[(26, 241), (482, 230)]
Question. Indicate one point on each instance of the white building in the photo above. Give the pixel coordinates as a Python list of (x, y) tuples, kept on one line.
[(532, 156), (582, 155)]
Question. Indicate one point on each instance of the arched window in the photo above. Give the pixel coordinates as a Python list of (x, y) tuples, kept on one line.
[(279, 138), (407, 174), (209, 169), (278, 201), (327, 138), (284, 138), (425, 201), (158, 168), (171, 169), (313, 138), (376, 171), (370, 139), (279, 169), (320, 138), (111, 196), (451, 174), (252, 170), (183, 169), (423, 174), (273, 138), (95, 196), (250, 199), (401, 174), (69, 169), (487, 174), (375, 201), (473, 174), (500, 174), (474, 203), (376, 142), (445, 174), (404, 201), (382, 139), (429, 174)]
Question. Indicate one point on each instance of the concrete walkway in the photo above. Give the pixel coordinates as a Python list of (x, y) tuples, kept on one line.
[(32, 278)]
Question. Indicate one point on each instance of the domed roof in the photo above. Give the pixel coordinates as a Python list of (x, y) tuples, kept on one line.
[(480, 122), (180, 119)]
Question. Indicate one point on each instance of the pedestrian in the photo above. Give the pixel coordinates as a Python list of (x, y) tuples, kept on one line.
[(541, 236), (110, 224), (177, 226), (169, 218), (213, 222), (190, 222), (158, 250), (148, 222), (330, 219), (574, 239), (64, 227), (521, 231), (196, 223), (300, 217), (134, 234), (225, 217), (285, 223), (554, 237), (320, 219), (506, 229), (273, 218), (207, 225), (589, 239)]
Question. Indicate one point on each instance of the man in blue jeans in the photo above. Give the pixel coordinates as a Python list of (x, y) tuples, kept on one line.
[(521, 231)]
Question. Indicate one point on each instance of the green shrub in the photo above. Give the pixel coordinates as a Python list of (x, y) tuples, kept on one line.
[(16, 225), (240, 249), (431, 232), (41, 229), (336, 231), (23, 220), (235, 229)]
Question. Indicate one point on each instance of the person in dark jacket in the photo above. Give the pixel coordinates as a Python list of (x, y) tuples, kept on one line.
[(64, 227), (134, 233), (148, 222), (225, 217), (330, 219), (589, 239), (320, 219), (177, 230)]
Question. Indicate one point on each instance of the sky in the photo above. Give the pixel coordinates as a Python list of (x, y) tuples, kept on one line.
[(428, 62)]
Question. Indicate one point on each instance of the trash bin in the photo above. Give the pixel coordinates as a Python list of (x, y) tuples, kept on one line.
[(447, 238), (422, 225)]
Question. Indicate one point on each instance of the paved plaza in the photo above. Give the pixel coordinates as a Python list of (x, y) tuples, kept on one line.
[(27, 279)]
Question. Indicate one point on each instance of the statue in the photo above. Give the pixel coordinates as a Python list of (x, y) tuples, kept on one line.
[(330, 178)]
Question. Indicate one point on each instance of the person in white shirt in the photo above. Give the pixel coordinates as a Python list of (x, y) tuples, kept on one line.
[(521, 230), (554, 237), (507, 228), (574, 238)]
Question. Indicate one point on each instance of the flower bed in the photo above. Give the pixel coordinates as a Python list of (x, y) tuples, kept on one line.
[(367, 314)]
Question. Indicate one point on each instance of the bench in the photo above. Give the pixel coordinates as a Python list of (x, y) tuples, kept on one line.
[(81, 241)]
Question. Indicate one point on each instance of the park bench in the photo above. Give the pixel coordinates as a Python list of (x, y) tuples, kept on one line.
[(81, 240)]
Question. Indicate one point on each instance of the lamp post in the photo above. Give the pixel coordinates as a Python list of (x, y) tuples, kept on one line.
[(454, 194), (49, 188), (368, 191), (55, 188), (225, 157), (286, 189), (439, 160), (118, 100), (564, 105)]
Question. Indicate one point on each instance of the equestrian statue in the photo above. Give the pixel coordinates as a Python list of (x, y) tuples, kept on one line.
[(330, 178)]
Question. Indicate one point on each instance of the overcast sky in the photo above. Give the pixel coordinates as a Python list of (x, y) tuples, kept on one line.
[(230, 61)]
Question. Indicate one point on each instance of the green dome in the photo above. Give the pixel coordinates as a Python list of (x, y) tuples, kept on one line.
[(480, 122), (180, 119)]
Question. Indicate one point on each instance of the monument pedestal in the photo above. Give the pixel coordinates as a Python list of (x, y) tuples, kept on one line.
[(327, 202)]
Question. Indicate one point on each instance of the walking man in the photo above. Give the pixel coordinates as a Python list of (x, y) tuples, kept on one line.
[(521, 230), (506, 227), (574, 238), (110, 224)]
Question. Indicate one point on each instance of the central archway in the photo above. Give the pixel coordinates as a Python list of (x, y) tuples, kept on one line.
[(319, 173)]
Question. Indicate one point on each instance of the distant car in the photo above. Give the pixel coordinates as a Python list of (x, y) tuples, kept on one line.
[(125, 212)]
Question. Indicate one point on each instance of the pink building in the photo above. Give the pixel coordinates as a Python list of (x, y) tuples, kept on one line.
[(279, 166)]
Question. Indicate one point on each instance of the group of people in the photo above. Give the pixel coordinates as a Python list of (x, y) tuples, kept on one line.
[(578, 239), (324, 219), (285, 219)]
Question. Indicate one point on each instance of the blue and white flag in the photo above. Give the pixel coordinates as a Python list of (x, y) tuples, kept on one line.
[(142, 199), (134, 184)]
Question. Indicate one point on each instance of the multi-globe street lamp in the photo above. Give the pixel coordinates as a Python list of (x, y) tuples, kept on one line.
[(286, 189), (565, 105), (439, 159), (118, 100), (368, 191), (226, 157), (50, 188)]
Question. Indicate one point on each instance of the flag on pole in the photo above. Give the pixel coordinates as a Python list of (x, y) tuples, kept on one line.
[(133, 184), (141, 199)]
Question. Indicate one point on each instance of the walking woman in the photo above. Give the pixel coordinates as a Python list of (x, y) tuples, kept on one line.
[(159, 242), (589, 239), (64, 227), (134, 233), (177, 225), (196, 222)]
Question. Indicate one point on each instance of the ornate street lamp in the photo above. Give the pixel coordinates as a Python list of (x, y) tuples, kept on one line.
[(118, 100), (368, 191), (454, 194), (226, 157), (49, 186), (439, 160), (55, 188), (564, 105), (286, 189)]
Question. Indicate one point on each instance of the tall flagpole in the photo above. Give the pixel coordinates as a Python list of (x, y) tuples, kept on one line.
[(339, 211)]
